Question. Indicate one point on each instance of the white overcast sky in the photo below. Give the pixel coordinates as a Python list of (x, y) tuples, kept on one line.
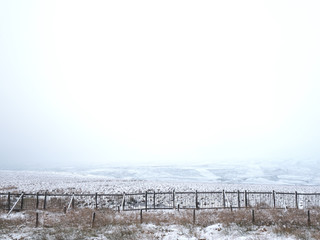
[(160, 82)]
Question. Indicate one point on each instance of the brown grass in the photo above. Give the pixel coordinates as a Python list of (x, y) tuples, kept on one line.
[(8, 188), (126, 225)]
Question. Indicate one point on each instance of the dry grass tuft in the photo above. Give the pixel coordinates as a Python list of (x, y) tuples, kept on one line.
[(77, 224)]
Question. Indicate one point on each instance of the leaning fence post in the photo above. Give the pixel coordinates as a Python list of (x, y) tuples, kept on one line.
[(296, 199), (15, 204), (9, 201), (252, 215), (71, 203), (238, 199), (93, 218), (224, 199)]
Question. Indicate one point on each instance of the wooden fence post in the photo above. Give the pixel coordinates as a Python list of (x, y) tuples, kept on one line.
[(197, 205), (154, 200), (21, 206), (45, 201), (37, 219), (64, 209), (309, 221), (123, 201), (224, 199), (194, 216), (93, 218), (238, 199), (178, 207), (274, 199), (140, 216), (173, 199), (245, 199), (96, 200), (37, 200), (72, 201), (296, 199), (146, 199), (253, 216), (9, 201)]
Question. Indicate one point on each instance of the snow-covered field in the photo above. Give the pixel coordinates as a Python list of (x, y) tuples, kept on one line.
[(35, 181)]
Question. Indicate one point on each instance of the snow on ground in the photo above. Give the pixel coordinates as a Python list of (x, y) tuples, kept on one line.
[(149, 231), (34, 181)]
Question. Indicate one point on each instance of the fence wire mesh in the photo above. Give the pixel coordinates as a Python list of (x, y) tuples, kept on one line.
[(159, 200)]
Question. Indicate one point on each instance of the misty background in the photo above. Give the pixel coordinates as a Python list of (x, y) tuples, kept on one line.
[(90, 84)]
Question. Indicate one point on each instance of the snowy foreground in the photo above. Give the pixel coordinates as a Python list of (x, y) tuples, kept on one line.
[(150, 231), (28, 181)]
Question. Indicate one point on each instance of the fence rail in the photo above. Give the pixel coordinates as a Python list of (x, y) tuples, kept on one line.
[(159, 200)]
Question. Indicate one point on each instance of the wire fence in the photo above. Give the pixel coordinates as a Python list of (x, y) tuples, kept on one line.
[(159, 200)]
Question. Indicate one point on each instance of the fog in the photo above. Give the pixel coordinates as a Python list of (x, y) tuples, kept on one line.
[(86, 83)]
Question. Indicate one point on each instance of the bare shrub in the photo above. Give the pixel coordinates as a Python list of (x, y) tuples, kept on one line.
[(122, 232), (241, 217)]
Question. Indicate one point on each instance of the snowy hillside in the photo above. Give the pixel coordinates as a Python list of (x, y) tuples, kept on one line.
[(284, 173)]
